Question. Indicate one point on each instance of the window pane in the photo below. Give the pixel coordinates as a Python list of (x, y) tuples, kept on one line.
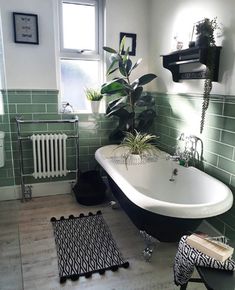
[(76, 76), (79, 26)]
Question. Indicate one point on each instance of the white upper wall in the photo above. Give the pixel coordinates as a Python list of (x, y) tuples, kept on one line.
[(129, 16), (155, 22), (29, 66), (170, 18), (34, 66)]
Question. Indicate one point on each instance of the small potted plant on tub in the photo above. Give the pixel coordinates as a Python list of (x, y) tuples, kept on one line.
[(94, 96), (138, 146)]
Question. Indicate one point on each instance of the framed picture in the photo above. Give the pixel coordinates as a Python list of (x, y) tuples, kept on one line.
[(25, 28), (130, 42)]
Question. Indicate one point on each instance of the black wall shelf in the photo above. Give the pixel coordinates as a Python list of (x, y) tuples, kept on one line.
[(199, 55)]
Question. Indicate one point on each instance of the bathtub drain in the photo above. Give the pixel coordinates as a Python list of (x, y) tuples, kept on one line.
[(173, 174)]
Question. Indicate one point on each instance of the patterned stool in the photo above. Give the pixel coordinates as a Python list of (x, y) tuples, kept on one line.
[(212, 273)]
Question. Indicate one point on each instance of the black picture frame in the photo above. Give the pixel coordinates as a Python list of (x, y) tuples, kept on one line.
[(133, 37), (25, 28)]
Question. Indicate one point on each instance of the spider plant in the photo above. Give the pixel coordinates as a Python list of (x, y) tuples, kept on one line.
[(138, 143)]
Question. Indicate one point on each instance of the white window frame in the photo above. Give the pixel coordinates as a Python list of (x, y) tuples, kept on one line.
[(74, 54)]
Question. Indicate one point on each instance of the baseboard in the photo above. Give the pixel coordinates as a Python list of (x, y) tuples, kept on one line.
[(38, 189)]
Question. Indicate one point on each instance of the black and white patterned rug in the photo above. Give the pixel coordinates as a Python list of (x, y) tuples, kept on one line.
[(85, 246)]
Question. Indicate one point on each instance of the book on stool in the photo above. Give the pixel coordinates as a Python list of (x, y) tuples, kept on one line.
[(214, 249)]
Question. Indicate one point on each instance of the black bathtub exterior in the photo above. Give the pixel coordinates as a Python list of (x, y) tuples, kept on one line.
[(164, 228)]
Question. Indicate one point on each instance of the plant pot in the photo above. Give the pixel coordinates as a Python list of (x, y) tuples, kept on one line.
[(95, 106), (134, 159)]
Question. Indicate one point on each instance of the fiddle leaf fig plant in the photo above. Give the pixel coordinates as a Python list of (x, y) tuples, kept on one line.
[(128, 94)]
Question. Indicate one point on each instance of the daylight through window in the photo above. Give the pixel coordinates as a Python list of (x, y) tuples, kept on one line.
[(81, 42)]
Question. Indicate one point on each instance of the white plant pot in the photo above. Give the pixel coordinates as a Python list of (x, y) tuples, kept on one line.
[(95, 106), (134, 159)]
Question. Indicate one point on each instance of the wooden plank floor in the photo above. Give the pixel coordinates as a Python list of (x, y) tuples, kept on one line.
[(27, 243)]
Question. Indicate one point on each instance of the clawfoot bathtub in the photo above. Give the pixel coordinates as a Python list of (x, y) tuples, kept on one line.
[(164, 205)]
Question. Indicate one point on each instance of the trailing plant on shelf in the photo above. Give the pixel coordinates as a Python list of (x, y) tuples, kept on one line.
[(205, 32), (205, 38), (128, 94)]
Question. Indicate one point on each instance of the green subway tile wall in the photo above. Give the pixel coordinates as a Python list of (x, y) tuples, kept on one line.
[(43, 105), (181, 113), (175, 113)]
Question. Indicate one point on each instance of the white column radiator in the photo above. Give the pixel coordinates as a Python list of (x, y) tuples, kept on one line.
[(49, 155)]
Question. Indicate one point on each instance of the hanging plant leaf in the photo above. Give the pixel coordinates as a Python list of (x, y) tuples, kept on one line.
[(145, 79), (112, 71), (109, 49), (111, 67), (122, 44), (122, 69), (135, 95), (135, 84), (126, 56), (115, 110), (112, 87), (128, 66), (136, 64), (145, 120), (115, 105)]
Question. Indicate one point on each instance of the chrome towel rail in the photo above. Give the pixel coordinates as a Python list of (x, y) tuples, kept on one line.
[(27, 189)]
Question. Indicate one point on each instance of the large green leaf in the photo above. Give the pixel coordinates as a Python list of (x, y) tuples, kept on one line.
[(136, 94), (111, 68), (146, 79), (109, 49), (122, 44), (145, 120), (136, 64), (115, 105), (126, 86), (112, 87), (111, 104), (128, 66), (112, 71), (114, 111), (135, 84), (122, 69), (127, 52)]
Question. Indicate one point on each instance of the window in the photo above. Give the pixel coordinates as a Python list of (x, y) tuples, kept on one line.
[(81, 41)]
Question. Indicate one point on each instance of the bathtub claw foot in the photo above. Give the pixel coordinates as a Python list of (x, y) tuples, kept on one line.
[(147, 253), (150, 244)]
